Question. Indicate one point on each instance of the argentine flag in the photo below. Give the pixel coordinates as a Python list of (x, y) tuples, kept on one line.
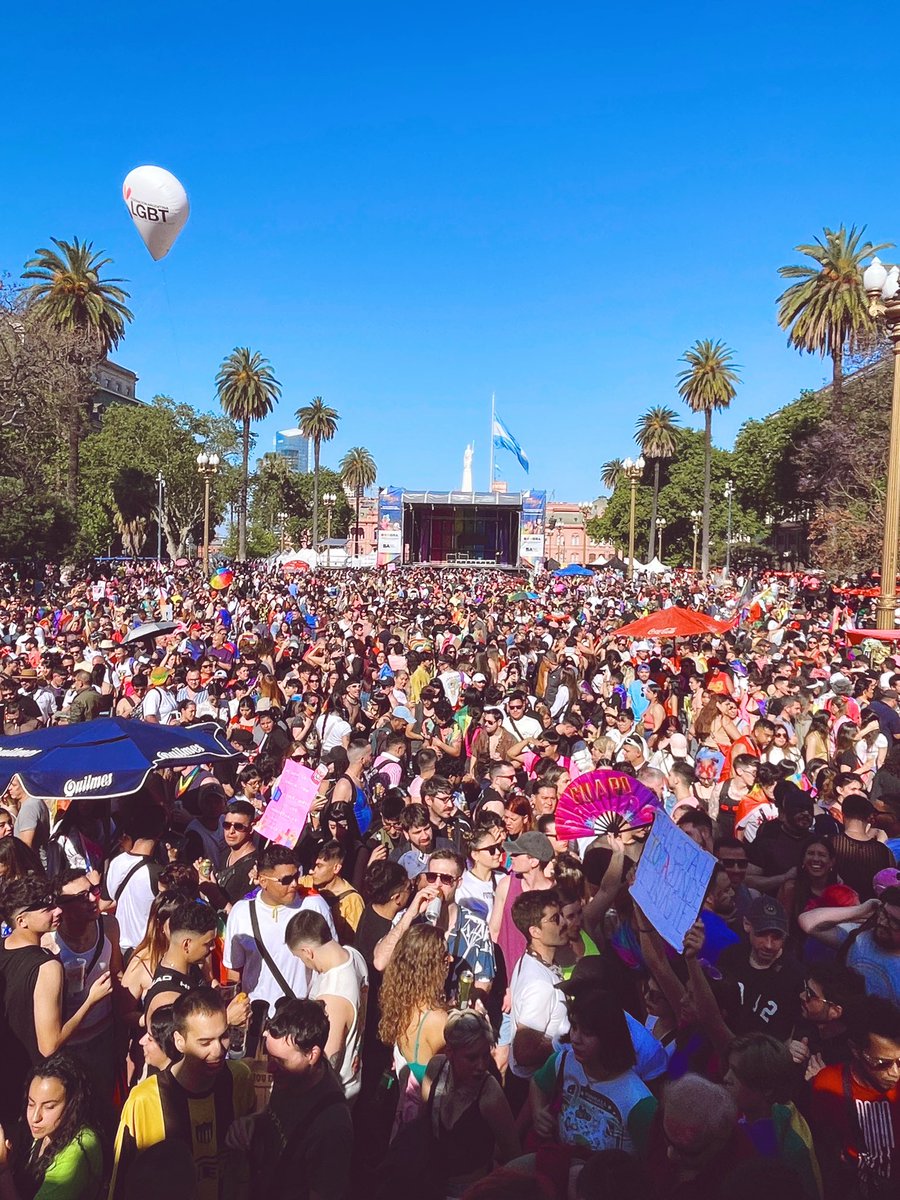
[(504, 440)]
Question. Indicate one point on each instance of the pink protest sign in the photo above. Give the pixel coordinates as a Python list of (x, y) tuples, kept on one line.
[(287, 812)]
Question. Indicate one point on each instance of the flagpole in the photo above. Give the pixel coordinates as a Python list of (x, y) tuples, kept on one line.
[(491, 444)]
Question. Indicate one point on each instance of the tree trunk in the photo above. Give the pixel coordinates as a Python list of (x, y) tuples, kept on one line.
[(315, 512), (242, 510), (356, 530), (837, 377), (707, 469), (651, 549)]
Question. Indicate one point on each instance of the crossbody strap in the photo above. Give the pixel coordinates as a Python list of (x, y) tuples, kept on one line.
[(266, 956), (134, 870)]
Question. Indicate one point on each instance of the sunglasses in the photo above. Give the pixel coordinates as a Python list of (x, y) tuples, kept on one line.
[(235, 825), (285, 880), (733, 864), (442, 876), (73, 897), (494, 848), (879, 1064)]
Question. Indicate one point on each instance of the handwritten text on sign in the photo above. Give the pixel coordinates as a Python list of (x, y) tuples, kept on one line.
[(288, 810), (671, 880)]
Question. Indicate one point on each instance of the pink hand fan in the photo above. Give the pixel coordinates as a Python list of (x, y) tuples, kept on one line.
[(602, 802)]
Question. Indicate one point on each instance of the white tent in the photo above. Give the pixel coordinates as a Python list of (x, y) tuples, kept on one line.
[(655, 567)]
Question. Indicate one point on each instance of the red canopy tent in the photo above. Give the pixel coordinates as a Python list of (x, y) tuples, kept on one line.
[(674, 622), (855, 636)]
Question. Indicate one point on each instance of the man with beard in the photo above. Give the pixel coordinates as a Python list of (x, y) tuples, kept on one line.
[(873, 950)]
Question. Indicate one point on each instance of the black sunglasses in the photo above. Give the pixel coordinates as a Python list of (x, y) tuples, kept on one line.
[(65, 898), (235, 825), (434, 876), (286, 880), (494, 848)]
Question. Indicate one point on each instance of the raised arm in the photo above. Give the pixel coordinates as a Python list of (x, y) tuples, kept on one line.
[(821, 923)]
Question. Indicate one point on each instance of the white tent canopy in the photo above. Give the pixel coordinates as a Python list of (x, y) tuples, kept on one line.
[(655, 567)]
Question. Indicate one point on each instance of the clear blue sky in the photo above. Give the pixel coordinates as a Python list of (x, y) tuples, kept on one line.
[(407, 206)]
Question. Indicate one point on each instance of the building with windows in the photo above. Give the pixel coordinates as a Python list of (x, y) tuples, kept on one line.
[(295, 449), (115, 385), (567, 539)]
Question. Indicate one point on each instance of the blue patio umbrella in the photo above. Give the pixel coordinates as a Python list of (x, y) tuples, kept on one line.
[(103, 759), (573, 569)]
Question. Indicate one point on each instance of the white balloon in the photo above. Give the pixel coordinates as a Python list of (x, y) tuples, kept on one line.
[(158, 205)]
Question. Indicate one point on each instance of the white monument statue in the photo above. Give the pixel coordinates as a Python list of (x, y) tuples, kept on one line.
[(467, 485)]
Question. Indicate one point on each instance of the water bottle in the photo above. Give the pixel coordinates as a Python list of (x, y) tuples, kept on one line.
[(433, 911)]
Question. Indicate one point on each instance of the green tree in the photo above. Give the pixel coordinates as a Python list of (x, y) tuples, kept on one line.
[(826, 311), (248, 391), (318, 422), (162, 436), (611, 473), (655, 434), (71, 294), (768, 475), (358, 472), (708, 382)]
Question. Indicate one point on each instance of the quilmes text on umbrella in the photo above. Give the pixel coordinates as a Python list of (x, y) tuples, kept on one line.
[(182, 752), (17, 752), (74, 787)]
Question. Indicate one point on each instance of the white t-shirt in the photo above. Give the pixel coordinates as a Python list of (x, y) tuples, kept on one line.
[(159, 703), (133, 905), (525, 727), (594, 1113), (350, 981), (535, 1003), (241, 952), (332, 729), (477, 894)]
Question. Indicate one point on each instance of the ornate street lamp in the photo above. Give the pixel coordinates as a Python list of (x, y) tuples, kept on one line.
[(661, 524), (729, 493), (632, 472), (208, 466), (329, 500), (882, 286), (696, 518)]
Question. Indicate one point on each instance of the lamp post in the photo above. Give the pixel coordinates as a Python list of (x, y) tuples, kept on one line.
[(729, 493), (208, 466), (282, 517), (329, 500), (160, 485), (882, 286), (696, 517), (632, 472), (661, 524)]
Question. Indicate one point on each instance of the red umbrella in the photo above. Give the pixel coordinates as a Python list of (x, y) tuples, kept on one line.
[(674, 622), (855, 636)]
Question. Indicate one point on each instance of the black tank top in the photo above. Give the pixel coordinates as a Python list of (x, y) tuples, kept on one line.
[(18, 979)]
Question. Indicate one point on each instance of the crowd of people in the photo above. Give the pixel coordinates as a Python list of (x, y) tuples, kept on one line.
[(436, 992)]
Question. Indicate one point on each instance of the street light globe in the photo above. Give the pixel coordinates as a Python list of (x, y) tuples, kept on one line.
[(202, 459), (640, 463), (626, 464), (891, 285), (875, 275), (213, 460)]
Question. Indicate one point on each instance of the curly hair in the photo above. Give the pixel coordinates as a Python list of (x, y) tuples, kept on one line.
[(414, 980), (79, 1113)]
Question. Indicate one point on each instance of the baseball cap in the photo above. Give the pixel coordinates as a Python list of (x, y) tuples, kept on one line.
[(401, 713), (478, 677), (841, 684), (766, 915), (536, 845), (889, 877)]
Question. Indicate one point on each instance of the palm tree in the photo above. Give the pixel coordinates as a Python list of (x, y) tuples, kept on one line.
[(318, 422), (611, 473), (71, 295), (708, 382), (826, 311), (358, 472), (248, 391), (655, 433)]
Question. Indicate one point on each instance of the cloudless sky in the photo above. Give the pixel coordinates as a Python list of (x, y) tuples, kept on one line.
[(408, 206)]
